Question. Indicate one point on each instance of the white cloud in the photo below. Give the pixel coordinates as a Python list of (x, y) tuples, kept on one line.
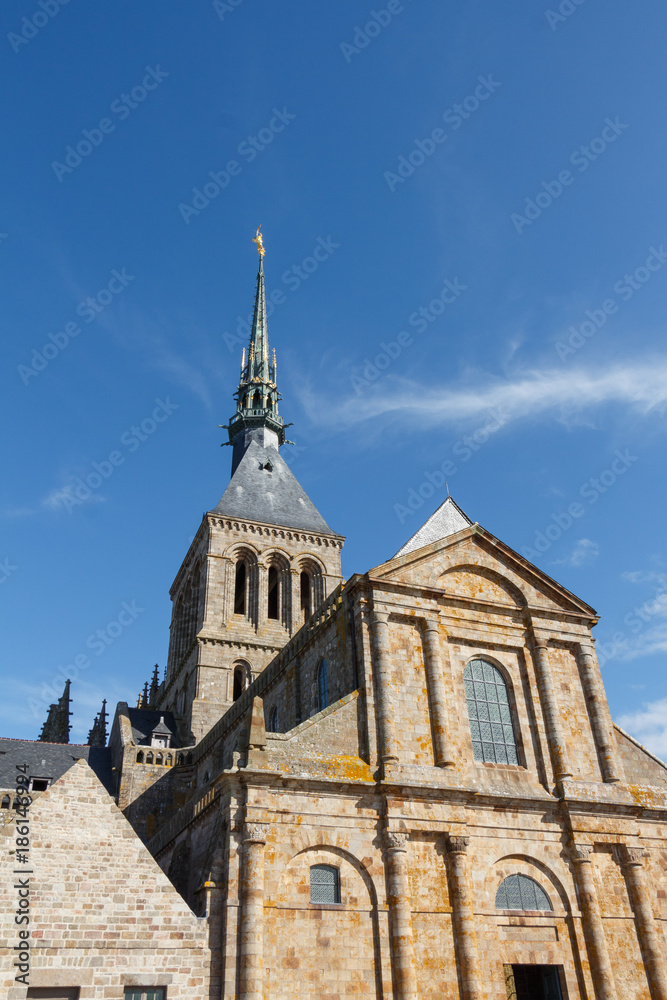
[(649, 726), (568, 393), (584, 551)]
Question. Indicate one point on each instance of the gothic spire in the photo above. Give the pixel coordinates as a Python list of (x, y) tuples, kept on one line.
[(256, 417), (155, 684), (56, 728), (97, 737)]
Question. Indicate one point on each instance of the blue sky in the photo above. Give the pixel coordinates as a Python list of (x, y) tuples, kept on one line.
[(464, 211)]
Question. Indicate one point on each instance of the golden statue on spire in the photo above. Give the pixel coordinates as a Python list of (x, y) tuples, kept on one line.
[(259, 240)]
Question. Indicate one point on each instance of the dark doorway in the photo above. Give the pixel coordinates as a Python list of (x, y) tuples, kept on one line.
[(533, 982)]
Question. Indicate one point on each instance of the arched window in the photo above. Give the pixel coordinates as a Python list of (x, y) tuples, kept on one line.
[(257, 401), (149, 757), (273, 720), (240, 588), (239, 682), (168, 760), (324, 884), (519, 892), (5, 802), (274, 591), (140, 757), (158, 759), (322, 686), (491, 728), (306, 607)]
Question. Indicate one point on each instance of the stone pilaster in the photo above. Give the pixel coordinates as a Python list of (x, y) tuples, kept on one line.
[(598, 709), (387, 751), (549, 704), (463, 919), (252, 912), (596, 945), (433, 663), (400, 917), (294, 581), (632, 862)]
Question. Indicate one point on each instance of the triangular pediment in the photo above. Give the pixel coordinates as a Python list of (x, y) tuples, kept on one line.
[(475, 565)]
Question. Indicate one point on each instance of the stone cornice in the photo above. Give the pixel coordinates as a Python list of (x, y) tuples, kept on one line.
[(274, 530)]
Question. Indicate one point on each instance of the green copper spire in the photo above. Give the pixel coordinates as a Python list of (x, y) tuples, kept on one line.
[(256, 417)]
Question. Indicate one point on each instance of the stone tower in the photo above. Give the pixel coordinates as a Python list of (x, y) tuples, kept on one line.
[(261, 563)]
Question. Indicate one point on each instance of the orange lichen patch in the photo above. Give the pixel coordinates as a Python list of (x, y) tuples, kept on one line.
[(351, 768)]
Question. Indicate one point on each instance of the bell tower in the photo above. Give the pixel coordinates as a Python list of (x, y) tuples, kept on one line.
[(261, 563)]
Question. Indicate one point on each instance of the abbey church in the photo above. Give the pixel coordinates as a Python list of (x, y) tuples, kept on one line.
[(400, 786)]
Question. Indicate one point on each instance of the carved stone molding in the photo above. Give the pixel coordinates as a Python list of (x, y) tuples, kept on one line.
[(396, 841), (581, 853), (457, 845), (631, 856), (255, 833)]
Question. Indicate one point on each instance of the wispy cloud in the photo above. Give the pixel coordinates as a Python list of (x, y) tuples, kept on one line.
[(584, 551), (649, 726), (567, 394)]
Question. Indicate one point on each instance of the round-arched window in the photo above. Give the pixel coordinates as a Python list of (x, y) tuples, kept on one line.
[(491, 729), (519, 892), (322, 686)]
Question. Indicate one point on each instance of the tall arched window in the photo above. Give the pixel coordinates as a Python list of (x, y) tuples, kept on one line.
[(274, 591), (322, 686), (306, 604), (239, 684), (519, 892), (491, 728), (273, 720), (240, 588), (324, 884)]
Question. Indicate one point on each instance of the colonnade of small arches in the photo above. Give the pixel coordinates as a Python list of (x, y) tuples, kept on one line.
[(161, 759), (273, 587), (184, 618)]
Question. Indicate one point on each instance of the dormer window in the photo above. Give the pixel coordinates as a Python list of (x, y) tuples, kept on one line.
[(161, 735)]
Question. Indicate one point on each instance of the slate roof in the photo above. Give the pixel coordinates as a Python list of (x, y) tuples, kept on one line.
[(144, 721), (447, 520), (273, 496), (51, 760)]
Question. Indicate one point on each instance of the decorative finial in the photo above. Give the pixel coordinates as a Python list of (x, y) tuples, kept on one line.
[(243, 361), (259, 240)]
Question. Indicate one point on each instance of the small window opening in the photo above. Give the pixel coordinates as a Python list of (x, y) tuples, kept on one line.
[(5, 802), (240, 588), (273, 592), (273, 720), (268, 467), (149, 757), (306, 608), (39, 784), (257, 401), (144, 993), (140, 757), (324, 884), (239, 683)]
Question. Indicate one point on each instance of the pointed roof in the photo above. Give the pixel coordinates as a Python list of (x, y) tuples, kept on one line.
[(447, 520), (56, 729), (263, 488)]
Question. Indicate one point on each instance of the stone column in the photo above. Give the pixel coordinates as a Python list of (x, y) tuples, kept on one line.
[(251, 893), (596, 700), (400, 917), (436, 694), (632, 861), (596, 945), (549, 703), (382, 671), (463, 920), (295, 623)]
